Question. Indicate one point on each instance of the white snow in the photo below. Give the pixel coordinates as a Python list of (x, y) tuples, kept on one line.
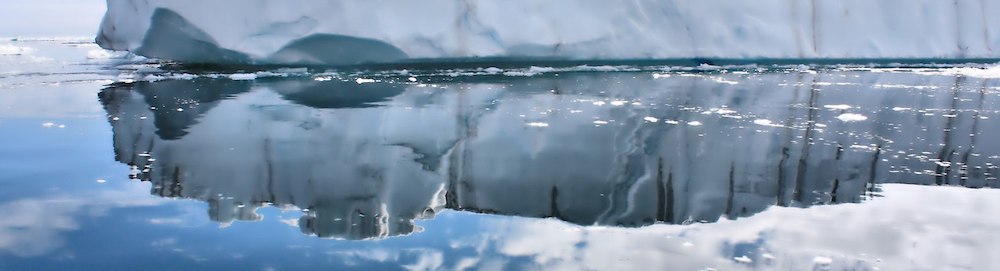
[(266, 32)]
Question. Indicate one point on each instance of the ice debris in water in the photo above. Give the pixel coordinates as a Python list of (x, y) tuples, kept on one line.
[(53, 125), (988, 72), (851, 117), (243, 76), (7, 49), (493, 70), (764, 122), (838, 106), (100, 54), (820, 260)]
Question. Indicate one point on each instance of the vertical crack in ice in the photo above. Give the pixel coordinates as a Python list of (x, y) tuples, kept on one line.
[(731, 193), (807, 142), (943, 166), (796, 28), (964, 172), (873, 172), (960, 39), (815, 29), (986, 26)]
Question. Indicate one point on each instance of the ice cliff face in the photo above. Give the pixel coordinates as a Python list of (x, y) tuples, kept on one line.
[(353, 32)]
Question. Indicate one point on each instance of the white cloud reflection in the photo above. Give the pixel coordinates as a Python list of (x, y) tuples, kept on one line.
[(35, 226), (911, 228)]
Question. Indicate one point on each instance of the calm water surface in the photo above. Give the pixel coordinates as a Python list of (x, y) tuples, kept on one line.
[(115, 163)]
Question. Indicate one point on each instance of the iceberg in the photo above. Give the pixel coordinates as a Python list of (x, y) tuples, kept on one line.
[(320, 32)]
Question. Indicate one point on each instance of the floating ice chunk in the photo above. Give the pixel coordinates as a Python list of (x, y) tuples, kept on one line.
[(820, 260), (99, 54), (8, 49), (838, 106), (365, 81), (898, 109), (865, 148), (537, 70), (651, 119), (851, 117), (743, 259), (243, 76), (976, 72), (695, 123), (538, 124), (764, 122)]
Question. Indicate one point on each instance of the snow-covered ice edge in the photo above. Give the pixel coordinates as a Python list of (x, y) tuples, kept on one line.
[(319, 32)]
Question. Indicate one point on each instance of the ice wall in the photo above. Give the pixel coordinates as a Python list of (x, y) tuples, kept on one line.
[(612, 149), (353, 32)]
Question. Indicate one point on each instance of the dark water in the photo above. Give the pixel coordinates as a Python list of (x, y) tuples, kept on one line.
[(587, 168)]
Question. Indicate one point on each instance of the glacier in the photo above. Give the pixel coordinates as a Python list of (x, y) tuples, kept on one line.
[(320, 32)]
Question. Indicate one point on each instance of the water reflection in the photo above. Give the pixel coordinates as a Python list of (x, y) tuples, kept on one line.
[(365, 159)]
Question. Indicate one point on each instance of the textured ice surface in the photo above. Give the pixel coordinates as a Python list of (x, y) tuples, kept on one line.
[(352, 32)]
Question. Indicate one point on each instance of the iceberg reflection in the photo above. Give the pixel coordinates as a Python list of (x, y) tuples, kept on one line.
[(624, 149)]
